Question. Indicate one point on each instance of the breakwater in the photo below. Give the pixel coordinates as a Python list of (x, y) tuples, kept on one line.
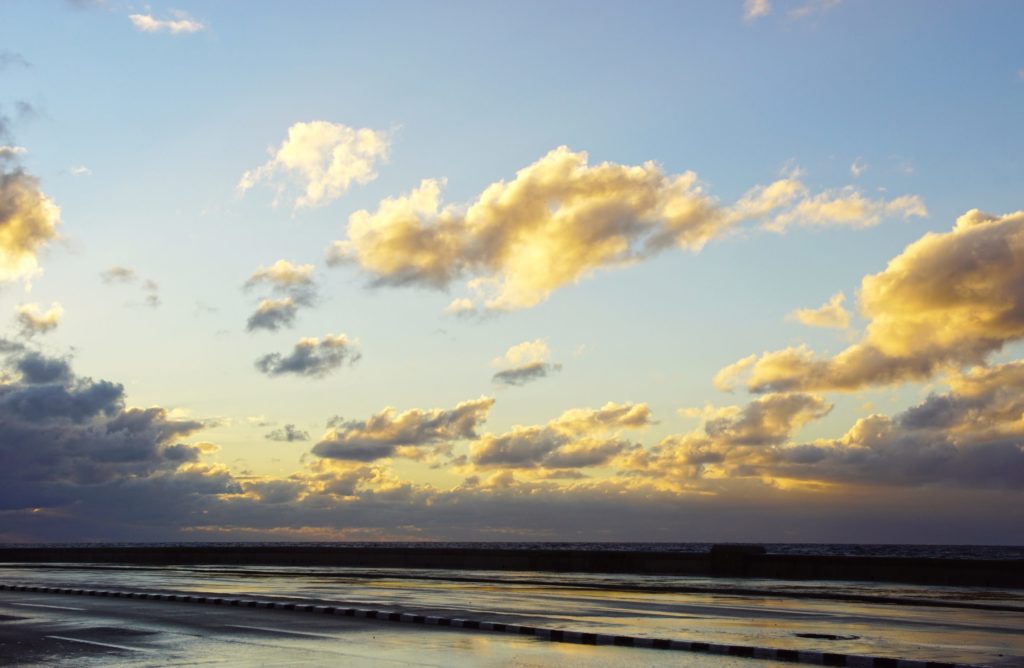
[(720, 561)]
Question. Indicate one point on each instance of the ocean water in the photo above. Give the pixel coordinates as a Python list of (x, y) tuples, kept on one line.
[(1001, 552)]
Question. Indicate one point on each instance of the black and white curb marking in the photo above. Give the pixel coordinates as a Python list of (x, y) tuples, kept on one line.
[(553, 635)]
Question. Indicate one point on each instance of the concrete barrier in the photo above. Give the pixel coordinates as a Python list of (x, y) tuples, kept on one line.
[(717, 563)]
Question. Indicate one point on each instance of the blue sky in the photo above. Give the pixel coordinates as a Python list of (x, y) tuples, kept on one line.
[(139, 121)]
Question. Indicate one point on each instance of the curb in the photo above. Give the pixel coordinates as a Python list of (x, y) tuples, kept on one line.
[(552, 635)]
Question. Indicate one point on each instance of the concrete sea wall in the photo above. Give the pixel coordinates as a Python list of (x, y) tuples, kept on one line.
[(723, 562)]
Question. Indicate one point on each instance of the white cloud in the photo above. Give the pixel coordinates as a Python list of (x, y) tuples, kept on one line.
[(181, 23), (80, 170), (12, 151), (858, 167), (324, 159)]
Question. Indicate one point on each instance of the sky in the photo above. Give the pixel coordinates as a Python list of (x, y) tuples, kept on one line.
[(579, 271)]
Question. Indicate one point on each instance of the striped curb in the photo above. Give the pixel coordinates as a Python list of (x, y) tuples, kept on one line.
[(553, 635)]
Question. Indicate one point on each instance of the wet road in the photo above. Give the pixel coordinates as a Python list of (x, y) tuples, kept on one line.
[(55, 630), (870, 619)]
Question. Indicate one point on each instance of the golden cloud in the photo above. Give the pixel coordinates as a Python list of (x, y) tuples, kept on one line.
[(324, 158), (831, 314), (561, 219), (28, 221), (947, 301)]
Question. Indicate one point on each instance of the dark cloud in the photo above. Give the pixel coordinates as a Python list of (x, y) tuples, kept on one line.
[(311, 357), (526, 373), (295, 287), (64, 439), (36, 369), (383, 434), (288, 433), (273, 314)]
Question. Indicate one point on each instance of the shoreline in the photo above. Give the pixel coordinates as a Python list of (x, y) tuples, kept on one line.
[(726, 563)]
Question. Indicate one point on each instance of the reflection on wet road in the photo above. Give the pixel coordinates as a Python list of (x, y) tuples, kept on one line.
[(873, 619)]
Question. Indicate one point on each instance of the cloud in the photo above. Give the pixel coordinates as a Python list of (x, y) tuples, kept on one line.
[(32, 320), (283, 278), (282, 275), (847, 206), (273, 314), (152, 293), (324, 159), (288, 433), (65, 439), (830, 314), (80, 170), (755, 9), (813, 7), (180, 24), (119, 274), (311, 357), (524, 362), (970, 436), (726, 438), (576, 439), (560, 220), (948, 300), (9, 152), (386, 433), (858, 167), (28, 221), (12, 59)]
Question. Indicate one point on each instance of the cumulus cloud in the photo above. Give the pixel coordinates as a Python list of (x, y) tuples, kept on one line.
[(324, 159), (180, 23), (576, 439), (10, 152), (33, 320), (755, 9), (389, 433), (970, 436), (948, 300), (831, 314), (524, 362), (64, 439), (28, 221), (295, 282), (726, 435), (282, 275), (273, 314), (560, 220), (311, 357), (288, 433)]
